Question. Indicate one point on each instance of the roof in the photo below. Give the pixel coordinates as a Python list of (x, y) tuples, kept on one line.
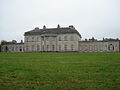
[(10, 43), (100, 41), (66, 30)]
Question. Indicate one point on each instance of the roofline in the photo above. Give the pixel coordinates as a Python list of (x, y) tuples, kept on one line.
[(101, 41), (28, 33), (12, 44)]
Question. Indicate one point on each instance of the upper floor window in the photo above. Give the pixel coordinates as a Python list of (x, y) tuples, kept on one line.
[(53, 38), (37, 38), (27, 39), (59, 38), (32, 39), (42, 38), (72, 38), (65, 38), (47, 38)]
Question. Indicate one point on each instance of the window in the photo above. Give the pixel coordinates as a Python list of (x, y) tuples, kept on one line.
[(72, 47), (27, 39), (59, 38), (53, 47), (12, 48), (90, 47), (80, 47), (47, 47), (38, 47), (100, 47), (59, 47), (20, 48), (53, 38), (32, 48), (47, 38), (65, 38), (65, 47), (42, 48), (85, 48), (42, 38), (71, 38), (32, 39), (16, 48), (37, 38), (96, 48), (27, 48), (6, 49), (111, 47)]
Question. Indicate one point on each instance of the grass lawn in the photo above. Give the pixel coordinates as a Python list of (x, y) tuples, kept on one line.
[(59, 71)]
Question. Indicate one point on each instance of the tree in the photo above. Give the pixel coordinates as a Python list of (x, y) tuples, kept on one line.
[(3, 42)]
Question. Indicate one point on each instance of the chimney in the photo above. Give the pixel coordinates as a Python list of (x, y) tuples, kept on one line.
[(58, 26), (44, 27), (71, 27), (21, 41)]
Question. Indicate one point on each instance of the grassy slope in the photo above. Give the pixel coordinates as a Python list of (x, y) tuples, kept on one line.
[(60, 71)]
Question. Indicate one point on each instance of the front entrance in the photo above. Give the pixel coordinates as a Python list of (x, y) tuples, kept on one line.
[(111, 47)]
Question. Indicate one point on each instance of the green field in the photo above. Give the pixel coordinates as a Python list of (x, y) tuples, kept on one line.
[(59, 71)]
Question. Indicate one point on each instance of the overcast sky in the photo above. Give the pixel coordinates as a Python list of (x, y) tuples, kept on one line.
[(92, 18)]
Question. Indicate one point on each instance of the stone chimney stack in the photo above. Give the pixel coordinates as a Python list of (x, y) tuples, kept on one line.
[(58, 26), (44, 27), (21, 41), (72, 27)]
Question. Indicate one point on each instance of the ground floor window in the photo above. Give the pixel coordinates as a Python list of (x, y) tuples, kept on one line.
[(65, 47), (32, 48), (72, 47), (38, 47), (59, 47), (42, 48), (53, 47), (47, 47), (27, 48), (6, 49)]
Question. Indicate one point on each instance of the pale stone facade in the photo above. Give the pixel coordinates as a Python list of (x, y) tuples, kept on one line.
[(52, 42), (99, 46), (59, 40), (12, 47)]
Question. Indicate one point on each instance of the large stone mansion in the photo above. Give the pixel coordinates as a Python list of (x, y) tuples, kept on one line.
[(60, 39)]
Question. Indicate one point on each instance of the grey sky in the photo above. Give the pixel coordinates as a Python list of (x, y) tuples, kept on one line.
[(98, 18)]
